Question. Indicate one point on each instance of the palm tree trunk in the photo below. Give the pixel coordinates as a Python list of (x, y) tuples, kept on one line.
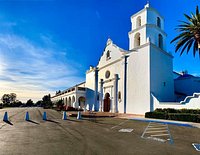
[(197, 37)]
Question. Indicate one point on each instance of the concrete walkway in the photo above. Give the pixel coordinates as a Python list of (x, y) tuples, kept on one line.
[(181, 123), (133, 117), (142, 118)]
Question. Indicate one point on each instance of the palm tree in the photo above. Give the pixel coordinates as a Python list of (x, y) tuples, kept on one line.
[(189, 34)]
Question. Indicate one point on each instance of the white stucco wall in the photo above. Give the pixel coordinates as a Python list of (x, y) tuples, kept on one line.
[(143, 40), (141, 14), (190, 102), (161, 74), (152, 17), (148, 28), (115, 66), (153, 32), (138, 81), (90, 89)]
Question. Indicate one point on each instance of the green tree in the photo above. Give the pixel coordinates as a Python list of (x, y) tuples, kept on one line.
[(46, 101), (39, 103), (13, 97), (189, 34), (29, 103), (59, 104), (6, 99), (17, 103), (9, 99)]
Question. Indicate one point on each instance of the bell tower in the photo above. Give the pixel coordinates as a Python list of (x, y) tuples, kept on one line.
[(147, 26)]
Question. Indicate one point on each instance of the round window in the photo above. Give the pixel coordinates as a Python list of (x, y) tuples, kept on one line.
[(107, 75)]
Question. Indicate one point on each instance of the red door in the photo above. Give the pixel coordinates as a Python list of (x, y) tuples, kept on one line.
[(106, 107)]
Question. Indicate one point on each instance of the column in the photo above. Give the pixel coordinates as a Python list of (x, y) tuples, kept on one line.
[(125, 81), (75, 104), (96, 106), (101, 95), (115, 98)]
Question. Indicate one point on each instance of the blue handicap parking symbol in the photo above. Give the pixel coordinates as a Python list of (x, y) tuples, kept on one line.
[(196, 146)]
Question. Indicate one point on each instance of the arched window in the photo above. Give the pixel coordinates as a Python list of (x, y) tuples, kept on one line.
[(158, 22), (160, 41), (107, 74), (108, 55), (138, 22), (137, 40)]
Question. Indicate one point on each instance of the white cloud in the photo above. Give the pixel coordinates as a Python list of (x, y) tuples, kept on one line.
[(31, 70)]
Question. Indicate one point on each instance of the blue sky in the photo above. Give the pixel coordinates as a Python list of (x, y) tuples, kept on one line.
[(47, 45)]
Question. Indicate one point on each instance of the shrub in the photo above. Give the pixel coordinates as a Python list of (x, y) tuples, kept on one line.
[(184, 117), (170, 110), (159, 115), (191, 111), (159, 110), (193, 116)]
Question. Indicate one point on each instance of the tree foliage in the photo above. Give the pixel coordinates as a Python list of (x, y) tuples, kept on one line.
[(60, 104), (46, 101), (29, 103), (189, 34), (9, 98)]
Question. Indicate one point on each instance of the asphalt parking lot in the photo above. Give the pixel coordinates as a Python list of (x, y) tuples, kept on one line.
[(88, 136)]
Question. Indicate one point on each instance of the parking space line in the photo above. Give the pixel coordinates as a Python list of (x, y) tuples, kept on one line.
[(145, 130), (119, 124), (170, 136), (157, 126), (157, 130), (159, 135)]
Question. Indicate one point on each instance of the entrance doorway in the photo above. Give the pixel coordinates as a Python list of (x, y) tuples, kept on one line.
[(106, 106)]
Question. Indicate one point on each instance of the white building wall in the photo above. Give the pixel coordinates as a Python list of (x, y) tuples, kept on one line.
[(138, 81), (116, 68), (143, 40), (161, 74), (153, 32), (190, 102), (90, 89), (115, 54), (134, 18), (152, 17), (115, 65)]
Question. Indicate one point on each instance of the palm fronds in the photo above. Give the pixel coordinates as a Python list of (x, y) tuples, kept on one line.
[(189, 34)]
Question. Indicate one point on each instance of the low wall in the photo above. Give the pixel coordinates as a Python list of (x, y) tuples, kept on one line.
[(190, 102)]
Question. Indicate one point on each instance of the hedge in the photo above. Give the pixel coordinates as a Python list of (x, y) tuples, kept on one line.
[(159, 115), (189, 117), (170, 110), (184, 117)]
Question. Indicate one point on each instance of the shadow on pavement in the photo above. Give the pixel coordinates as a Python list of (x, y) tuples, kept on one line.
[(8, 122), (32, 122), (52, 121), (74, 120)]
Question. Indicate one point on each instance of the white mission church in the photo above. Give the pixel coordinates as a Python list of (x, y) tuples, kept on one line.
[(137, 80)]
